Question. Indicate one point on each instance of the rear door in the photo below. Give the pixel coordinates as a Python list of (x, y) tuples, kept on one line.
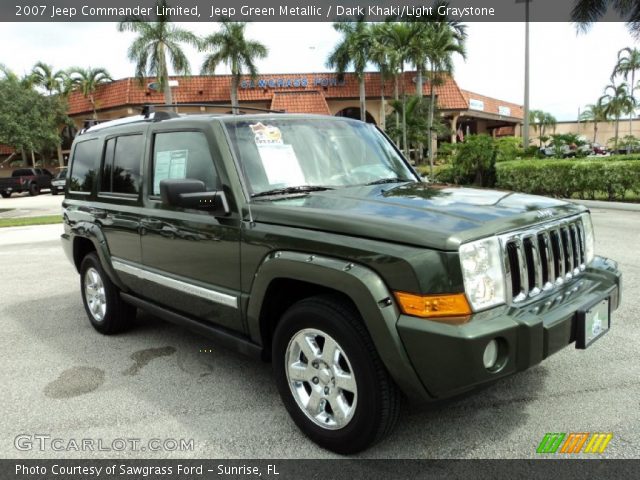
[(190, 258)]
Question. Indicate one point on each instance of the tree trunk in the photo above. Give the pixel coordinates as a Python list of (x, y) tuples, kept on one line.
[(595, 130), (383, 120), (430, 124), (168, 94), (631, 88), (23, 153), (33, 159), (419, 87), (60, 157), (615, 144), (404, 119), (234, 93), (396, 97), (93, 105), (363, 106)]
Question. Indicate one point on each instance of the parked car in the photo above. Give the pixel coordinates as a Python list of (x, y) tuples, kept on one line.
[(310, 241), (599, 149), (59, 181), (30, 180)]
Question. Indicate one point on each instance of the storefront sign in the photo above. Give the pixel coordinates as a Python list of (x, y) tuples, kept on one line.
[(299, 82), (476, 104), (504, 111)]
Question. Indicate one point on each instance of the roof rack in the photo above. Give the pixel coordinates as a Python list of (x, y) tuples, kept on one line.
[(151, 108)]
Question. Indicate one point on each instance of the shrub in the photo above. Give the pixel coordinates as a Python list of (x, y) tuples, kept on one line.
[(566, 178), (508, 148), (475, 160)]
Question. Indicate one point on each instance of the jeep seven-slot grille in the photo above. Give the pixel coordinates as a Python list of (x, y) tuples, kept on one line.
[(540, 259)]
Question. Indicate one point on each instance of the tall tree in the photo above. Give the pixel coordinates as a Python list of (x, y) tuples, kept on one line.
[(541, 121), (444, 39), (586, 12), (158, 45), (87, 81), (594, 112), (353, 50), (44, 76), (231, 47), (617, 102), (628, 63)]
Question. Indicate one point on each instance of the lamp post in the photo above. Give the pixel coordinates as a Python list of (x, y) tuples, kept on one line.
[(525, 128)]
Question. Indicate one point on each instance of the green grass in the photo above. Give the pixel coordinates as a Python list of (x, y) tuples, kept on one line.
[(25, 221)]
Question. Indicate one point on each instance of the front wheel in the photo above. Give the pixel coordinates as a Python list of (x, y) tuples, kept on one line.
[(34, 190), (5, 194), (330, 377), (107, 312)]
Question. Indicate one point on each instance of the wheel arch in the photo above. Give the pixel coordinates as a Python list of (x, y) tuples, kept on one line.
[(293, 276)]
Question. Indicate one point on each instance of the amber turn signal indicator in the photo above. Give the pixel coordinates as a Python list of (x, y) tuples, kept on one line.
[(450, 308)]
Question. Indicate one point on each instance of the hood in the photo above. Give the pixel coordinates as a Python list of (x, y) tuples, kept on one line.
[(418, 214)]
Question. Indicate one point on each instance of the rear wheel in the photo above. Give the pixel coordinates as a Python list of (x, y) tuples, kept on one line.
[(330, 377), (34, 190), (54, 191), (106, 311), (5, 194)]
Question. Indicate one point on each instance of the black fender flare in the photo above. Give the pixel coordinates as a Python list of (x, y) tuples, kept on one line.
[(362, 285)]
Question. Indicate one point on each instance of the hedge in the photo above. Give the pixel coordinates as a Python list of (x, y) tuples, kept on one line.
[(568, 178)]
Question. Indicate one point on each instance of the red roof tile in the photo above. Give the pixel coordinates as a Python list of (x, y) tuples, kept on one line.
[(305, 101), (215, 89)]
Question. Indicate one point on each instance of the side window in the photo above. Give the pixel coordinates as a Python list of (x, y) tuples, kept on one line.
[(121, 167), (83, 166), (182, 155)]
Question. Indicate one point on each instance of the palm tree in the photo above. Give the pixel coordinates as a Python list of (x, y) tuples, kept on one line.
[(231, 47), (594, 112), (586, 12), (87, 80), (617, 102), (353, 49), (396, 36), (155, 42), (628, 63), (44, 76), (444, 39), (541, 121)]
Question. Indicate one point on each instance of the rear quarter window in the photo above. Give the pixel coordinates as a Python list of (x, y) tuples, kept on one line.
[(84, 166)]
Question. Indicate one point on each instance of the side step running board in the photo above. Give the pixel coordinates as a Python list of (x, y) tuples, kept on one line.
[(220, 335)]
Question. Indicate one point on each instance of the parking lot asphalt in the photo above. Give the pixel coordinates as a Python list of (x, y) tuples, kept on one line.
[(23, 205), (63, 380)]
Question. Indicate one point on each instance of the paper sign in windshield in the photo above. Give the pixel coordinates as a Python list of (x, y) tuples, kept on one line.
[(169, 164), (266, 134), (281, 165)]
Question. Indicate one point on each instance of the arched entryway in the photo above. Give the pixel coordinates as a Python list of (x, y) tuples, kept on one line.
[(354, 112)]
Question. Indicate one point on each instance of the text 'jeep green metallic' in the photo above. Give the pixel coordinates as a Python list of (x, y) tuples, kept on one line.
[(311, 242)]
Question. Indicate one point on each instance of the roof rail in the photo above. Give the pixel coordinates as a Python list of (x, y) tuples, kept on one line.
[(150, 108)]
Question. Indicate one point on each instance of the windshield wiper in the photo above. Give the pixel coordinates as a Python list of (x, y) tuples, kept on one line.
[(390, 180), (288, 190)]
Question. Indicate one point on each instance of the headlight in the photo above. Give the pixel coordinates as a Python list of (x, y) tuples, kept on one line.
[(482, 273), (589, 239)]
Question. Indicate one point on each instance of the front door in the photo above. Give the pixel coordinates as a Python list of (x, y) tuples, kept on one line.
[(190, 259)]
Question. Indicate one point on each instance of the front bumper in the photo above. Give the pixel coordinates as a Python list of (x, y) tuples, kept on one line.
[(448, 358)]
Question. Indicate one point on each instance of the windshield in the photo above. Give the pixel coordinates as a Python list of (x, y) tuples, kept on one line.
[(281, 155)]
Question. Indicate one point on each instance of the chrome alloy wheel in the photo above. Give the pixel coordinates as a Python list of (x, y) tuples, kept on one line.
[(321, 379), (94, 294)]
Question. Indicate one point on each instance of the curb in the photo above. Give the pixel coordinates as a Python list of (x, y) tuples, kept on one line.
[(629, 207)]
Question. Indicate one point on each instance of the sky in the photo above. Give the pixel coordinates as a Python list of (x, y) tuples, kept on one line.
[(568, 70)]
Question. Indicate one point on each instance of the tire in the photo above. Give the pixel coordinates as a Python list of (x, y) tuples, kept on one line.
[(5, 194), (54, 191), (366, 397), (107, 312), (34, 190)]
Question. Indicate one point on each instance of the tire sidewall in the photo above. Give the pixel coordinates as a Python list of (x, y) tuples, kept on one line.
[(92, 261), (362, 428)]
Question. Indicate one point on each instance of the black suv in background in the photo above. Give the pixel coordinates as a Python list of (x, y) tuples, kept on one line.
[(30, 180), (309, 241)]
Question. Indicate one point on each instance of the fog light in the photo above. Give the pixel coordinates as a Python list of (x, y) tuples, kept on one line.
[(490, 356)]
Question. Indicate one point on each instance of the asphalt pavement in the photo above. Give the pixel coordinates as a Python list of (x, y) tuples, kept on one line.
[(63, 380)]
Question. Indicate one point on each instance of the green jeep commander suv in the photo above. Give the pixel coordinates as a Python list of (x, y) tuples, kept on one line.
[(311, 242)]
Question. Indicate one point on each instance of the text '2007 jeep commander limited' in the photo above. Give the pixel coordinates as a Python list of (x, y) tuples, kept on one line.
[(311, 242)]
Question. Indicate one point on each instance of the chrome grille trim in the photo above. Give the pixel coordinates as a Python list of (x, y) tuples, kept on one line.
[(559, 244)]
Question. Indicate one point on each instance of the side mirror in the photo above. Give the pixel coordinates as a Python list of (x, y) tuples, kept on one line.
[(189, 193)]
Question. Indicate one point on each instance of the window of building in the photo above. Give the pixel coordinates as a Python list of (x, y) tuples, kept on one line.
[(84, 167), (122, 164), (182, 155)]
